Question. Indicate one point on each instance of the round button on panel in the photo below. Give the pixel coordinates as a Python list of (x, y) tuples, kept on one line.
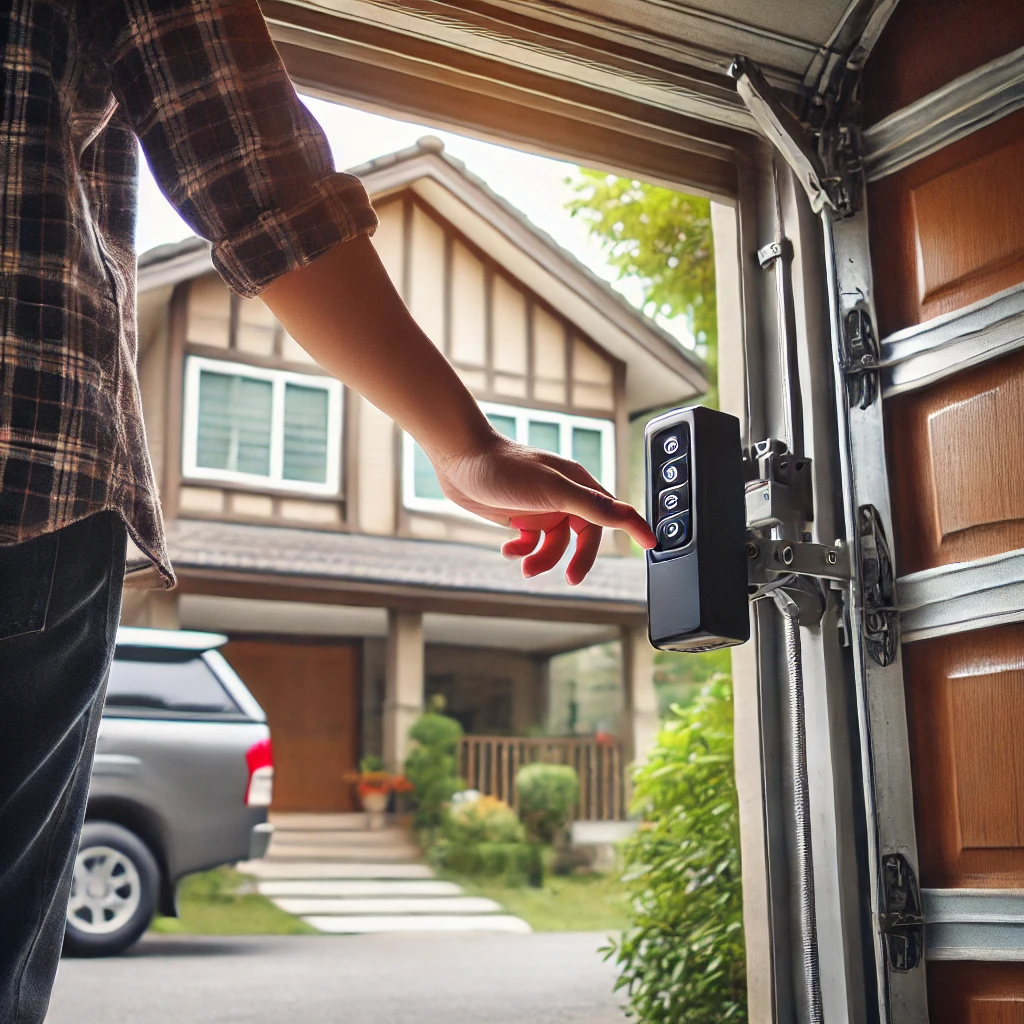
[(674, 531), (674, 472), (672, 442), (675, 499)]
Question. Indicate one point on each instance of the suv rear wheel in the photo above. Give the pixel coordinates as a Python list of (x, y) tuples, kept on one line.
[(113, 893)]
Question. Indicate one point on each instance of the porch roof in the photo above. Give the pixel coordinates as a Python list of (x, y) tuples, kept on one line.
[(236, 559)]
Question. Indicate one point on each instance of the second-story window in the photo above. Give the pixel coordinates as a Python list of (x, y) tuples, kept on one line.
[(267, 428), (588, 440)]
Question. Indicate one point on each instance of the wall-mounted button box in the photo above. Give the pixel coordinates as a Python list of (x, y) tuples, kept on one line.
[(697, 574)]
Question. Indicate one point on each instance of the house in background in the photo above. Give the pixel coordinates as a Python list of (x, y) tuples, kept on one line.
[(304, 524)]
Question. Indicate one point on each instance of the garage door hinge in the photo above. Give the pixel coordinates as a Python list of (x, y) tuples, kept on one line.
[(860, 358), (902, 923), (825, 158), (878, 589)]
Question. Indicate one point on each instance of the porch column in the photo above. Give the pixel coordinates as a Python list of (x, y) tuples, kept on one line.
[(640, 702), (403, 683)]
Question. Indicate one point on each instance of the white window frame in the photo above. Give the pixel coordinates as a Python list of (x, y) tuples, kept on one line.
[(194, 365), (522, 415)]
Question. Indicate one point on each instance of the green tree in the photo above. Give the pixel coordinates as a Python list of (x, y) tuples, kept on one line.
[(683, 962), (663, 238)]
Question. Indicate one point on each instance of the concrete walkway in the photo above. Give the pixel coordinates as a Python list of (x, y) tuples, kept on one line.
[(342, 877)]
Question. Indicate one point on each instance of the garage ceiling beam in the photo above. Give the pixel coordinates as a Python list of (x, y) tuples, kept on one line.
[(681, 126)]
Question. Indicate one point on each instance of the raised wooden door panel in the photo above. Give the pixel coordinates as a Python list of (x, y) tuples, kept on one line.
[(956, 452), (928, 43), (971, 992), (311, 697), (949, 230), (965, 713)]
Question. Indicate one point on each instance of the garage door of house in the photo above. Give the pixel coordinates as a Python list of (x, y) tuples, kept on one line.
[(947, 242), (310, 693)]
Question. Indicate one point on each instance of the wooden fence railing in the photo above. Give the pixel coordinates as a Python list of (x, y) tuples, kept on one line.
[(489, 764)]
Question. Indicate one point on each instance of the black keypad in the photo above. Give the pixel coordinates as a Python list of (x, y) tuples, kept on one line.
[(674, 531)]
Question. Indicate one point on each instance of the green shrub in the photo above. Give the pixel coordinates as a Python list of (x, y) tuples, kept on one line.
[(683, 962), (511, 863), (484, 838), (485, 820), (547, 795), (432, 765)]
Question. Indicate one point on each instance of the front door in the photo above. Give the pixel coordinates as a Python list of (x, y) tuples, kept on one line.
[(311, 696), (946, 215)]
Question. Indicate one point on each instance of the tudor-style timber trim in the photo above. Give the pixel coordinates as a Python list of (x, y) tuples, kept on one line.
[(961, 597), (492, 271), (448, 190), (175, 398), (623, 545), (241, 358), (918, 356), (351, 403), (945, 116)]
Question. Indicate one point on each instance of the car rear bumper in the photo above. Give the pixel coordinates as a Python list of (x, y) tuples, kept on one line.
[(259, 840)]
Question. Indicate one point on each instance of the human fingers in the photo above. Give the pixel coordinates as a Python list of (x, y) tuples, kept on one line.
[(588, 541), (550, 552), (522, 545), (599, 508)]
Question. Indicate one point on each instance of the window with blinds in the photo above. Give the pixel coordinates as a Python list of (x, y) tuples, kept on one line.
[(587, 440), (268, 428)]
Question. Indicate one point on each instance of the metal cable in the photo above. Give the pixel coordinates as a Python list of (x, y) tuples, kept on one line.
[(797, 757)]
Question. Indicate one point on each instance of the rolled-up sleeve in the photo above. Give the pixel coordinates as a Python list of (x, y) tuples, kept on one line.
[(231, 145)]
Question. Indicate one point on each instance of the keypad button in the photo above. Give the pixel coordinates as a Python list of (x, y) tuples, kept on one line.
[(674, 532), (673, 500), (671, 443), (675, 472)]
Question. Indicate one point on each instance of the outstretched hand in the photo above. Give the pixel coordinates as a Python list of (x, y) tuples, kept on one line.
[(545, 497), (345, 312)]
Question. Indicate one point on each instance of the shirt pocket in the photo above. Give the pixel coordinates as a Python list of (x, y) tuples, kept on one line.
[(26, 580)]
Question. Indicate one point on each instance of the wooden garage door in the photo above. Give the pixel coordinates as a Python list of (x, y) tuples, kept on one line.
[(947, 242), (311, 697)]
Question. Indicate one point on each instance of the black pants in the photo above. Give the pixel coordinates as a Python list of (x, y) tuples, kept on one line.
[(60, 599)]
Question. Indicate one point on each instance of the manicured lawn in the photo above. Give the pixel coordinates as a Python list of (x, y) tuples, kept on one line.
[(573, 903), (224, 902)]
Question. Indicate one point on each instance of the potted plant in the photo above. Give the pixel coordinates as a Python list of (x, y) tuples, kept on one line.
[(374, 786)]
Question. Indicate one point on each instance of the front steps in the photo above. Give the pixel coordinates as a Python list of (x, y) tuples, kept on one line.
[(342, 877)]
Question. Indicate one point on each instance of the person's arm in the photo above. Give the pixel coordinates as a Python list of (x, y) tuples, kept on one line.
[(343, 309), (247, 166)]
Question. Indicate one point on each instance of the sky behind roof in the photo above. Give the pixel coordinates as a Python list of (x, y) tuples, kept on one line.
[(535, 185)]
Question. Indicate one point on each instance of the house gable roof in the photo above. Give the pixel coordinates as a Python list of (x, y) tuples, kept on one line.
[(660, 371)]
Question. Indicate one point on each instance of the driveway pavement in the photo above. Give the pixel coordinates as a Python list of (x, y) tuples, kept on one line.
[(544, 978)]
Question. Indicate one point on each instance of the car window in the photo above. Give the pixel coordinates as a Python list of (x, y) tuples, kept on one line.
[(161, 681)]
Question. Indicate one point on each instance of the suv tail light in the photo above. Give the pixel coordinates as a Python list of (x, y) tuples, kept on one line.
[(260, 759)]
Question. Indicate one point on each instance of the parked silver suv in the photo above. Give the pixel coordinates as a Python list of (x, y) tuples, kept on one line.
[(182, 782)]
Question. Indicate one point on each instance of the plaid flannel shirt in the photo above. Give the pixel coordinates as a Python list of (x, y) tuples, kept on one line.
[(200, 85)]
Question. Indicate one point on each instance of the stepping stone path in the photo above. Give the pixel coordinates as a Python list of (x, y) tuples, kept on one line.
[(342, 877)]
